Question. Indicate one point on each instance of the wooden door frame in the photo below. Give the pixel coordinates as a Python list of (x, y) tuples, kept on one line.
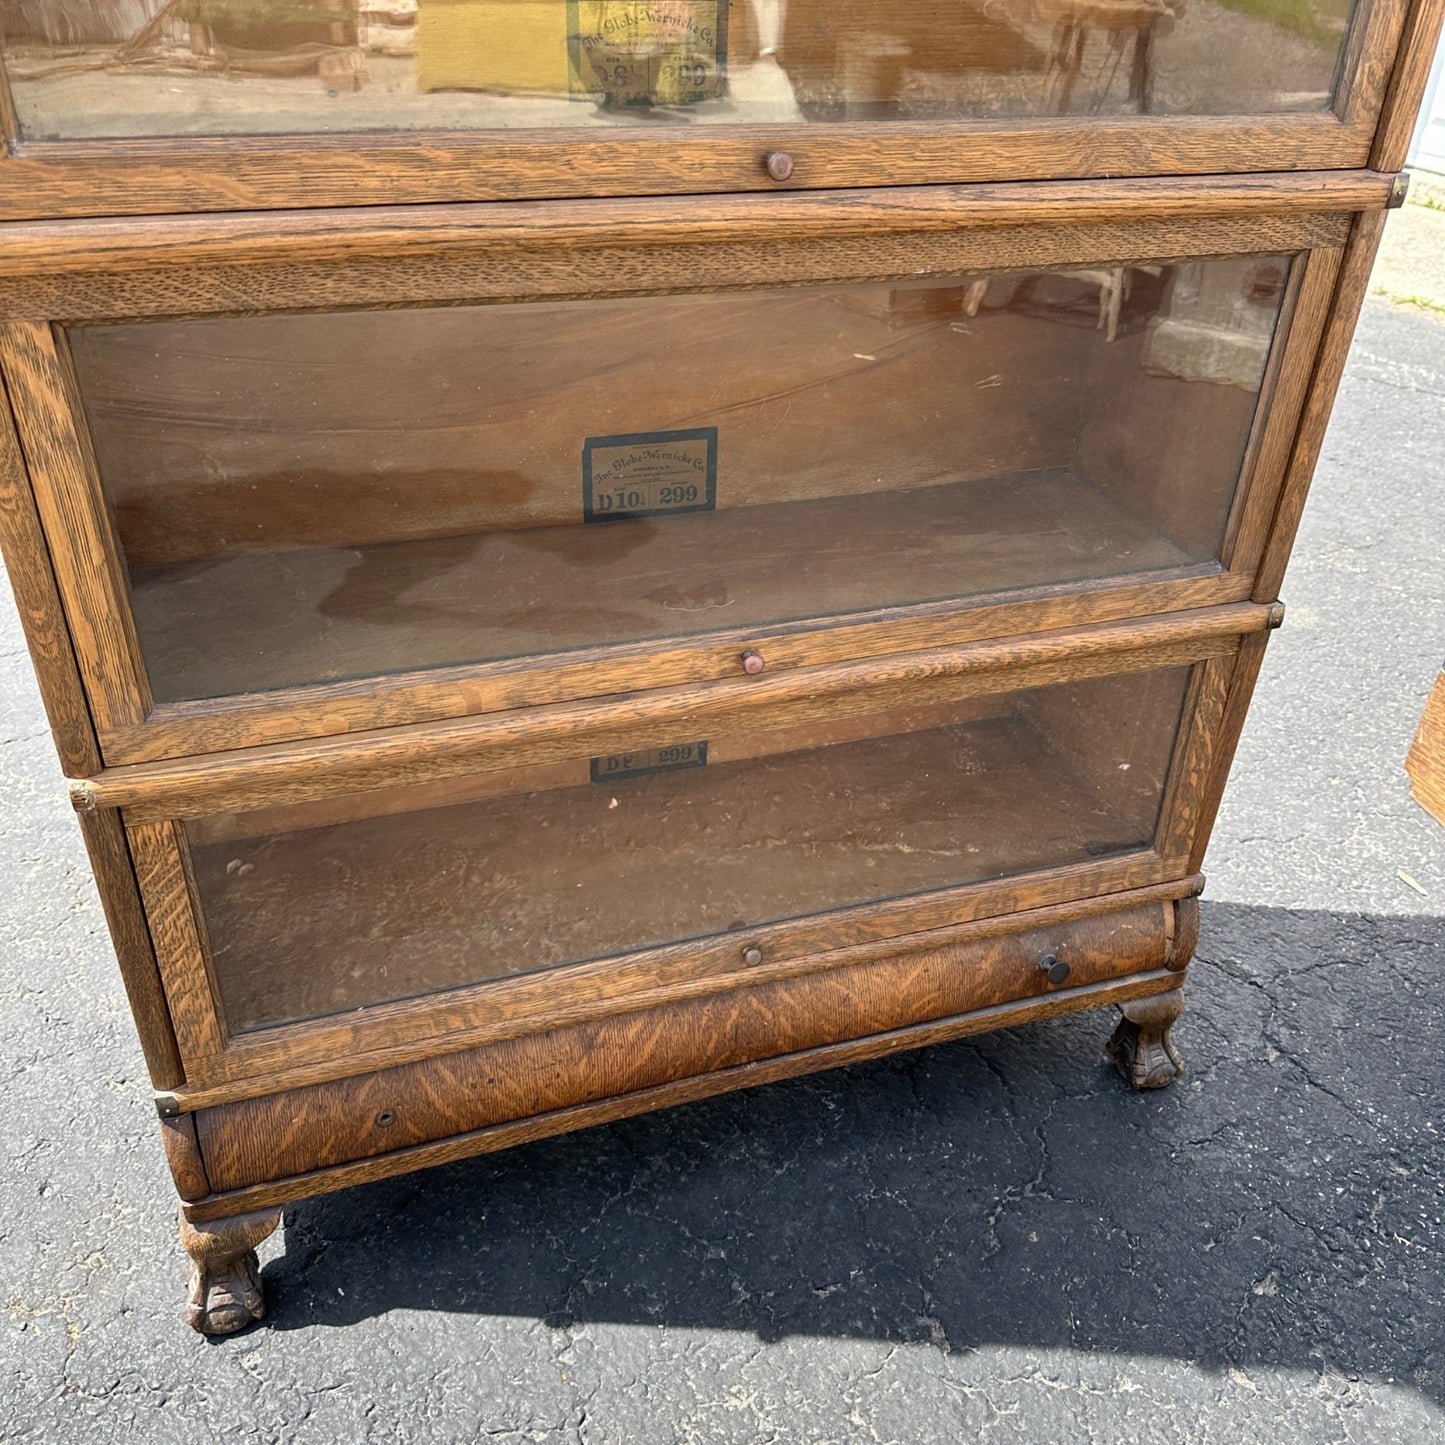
[(153, 800), (229, 173), (55, 274)]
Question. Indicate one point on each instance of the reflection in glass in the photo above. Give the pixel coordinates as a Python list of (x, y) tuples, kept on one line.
[(331, 906), (96, 68), (320, 497)]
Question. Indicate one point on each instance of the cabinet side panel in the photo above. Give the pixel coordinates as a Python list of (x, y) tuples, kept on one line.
[(27, 561), (115, 877), (1329, 367), (1188, 810), (161, 869), (88, 568), (1231, 725), (32, 579), (1368, 61), (1407, 85)]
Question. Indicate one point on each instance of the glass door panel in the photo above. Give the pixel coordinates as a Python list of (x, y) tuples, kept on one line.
[(307, 499), (327, 907), (133, 68)]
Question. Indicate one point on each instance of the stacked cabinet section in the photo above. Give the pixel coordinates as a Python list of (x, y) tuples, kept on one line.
[(511, 628), (693, 456), (324, 908), (672, 847), (216, 105)]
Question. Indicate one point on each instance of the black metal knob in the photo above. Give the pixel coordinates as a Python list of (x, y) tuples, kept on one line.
[(1054, 968), (779, 165)]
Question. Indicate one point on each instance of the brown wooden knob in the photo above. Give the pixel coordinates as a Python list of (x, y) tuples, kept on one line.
[(779, 164), (752, 956), (753, 663), (1054, 969)]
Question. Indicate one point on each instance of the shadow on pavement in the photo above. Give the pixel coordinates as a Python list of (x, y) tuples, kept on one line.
[(1282, 1205)]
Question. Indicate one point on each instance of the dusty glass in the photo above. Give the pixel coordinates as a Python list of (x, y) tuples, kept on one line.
[(131, 68), (315, 498), (327, 907)]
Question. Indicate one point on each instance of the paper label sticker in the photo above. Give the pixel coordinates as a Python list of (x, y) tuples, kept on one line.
[(646, 761), (649, 474), (648, 52)]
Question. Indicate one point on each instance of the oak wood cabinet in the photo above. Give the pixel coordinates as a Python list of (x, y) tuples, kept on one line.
[(584, 556)]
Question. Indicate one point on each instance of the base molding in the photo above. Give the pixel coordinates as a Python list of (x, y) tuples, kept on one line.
[(925, 982)]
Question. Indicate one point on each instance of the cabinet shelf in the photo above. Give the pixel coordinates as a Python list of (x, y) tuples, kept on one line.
[(230, 624)]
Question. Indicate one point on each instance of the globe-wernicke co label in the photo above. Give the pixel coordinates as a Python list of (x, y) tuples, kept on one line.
[(648, 52), (649, 474)]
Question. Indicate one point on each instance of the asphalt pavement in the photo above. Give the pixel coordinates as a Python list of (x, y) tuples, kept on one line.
[(989, 1240)]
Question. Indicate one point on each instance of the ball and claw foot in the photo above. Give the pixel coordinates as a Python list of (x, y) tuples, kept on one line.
[(1140, 1047), (224, 1284)]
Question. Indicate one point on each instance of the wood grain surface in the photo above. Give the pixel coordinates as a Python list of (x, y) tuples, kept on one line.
[(548, 270), (42, 615), (1408, 77), (382, 701), (84, 552), (268, 1060), (1192, 766), (110, 859), (380, 232), (1426, 761), (162, 867), (335, 1123), (297, 772), (743, 1076), (79, 179), (183, 1154)]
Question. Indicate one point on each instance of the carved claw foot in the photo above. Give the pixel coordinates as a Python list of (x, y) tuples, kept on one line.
[(224, 1284), (1141, 1048)]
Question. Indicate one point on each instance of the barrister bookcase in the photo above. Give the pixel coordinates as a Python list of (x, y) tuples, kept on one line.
[(585, 555)]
